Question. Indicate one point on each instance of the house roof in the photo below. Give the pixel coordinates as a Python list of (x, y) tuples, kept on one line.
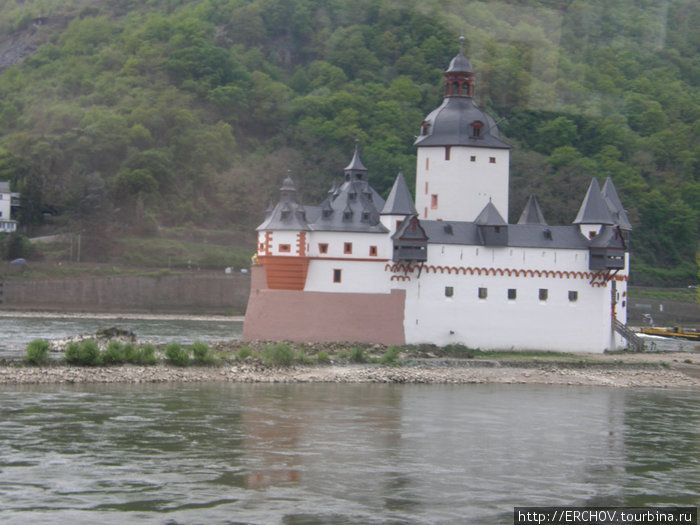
[(4, 187), (399, 201)]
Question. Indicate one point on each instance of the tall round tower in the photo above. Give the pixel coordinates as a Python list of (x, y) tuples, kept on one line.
[(462, 163)]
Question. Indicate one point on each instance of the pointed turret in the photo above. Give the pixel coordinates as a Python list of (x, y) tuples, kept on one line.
[(594, 213), (532, 214), (399, 201), (615, 205), (287, 214), (594, 209), (489, 216), (493, 228), (356, 169)]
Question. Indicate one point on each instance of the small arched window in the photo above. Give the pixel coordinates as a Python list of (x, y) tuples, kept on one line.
[(476, 128)]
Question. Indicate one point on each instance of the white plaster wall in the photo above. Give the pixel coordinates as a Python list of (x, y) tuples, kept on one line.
[(360, 244), (281, 237), (357, 276), (496, 322), (463, 187), (525, 323)]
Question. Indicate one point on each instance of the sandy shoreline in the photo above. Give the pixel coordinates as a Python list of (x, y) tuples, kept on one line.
[(674, 371)]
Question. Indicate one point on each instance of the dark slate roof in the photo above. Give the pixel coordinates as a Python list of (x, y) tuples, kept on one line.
[(545, 236), (489, 216), (399, 201), (615, 205), (353, 206), (287, 214), (532, 214), (451, 125), (356, 164), (4, 187), (460, 63), (608, 237), (519, 235), (594, 209)]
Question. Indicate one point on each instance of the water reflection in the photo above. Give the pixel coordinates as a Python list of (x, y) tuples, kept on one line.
[(302, 454)]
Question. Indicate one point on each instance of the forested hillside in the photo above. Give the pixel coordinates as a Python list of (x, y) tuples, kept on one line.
[(125, 115)]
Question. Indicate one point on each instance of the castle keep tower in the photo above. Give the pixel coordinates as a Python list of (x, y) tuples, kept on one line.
[(462, 163)]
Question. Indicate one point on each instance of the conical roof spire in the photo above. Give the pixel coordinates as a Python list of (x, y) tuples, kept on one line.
[(615, 205), (594, 209), (356, 168), (532, 214), (399, 201), (489, 216)]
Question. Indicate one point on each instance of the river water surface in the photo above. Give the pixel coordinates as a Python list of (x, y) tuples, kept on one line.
[(338, 453)]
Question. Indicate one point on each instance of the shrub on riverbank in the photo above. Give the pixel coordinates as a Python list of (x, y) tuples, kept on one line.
[(177, 355), (280, 354), (201, 354), (86, 353), (37, 351)]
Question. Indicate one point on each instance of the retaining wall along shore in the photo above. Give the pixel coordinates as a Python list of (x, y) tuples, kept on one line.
[(181, 293)]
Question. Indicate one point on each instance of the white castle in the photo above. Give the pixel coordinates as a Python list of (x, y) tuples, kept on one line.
[(447, 269)]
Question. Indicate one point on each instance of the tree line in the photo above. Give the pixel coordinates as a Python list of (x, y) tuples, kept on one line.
[(133, 115)]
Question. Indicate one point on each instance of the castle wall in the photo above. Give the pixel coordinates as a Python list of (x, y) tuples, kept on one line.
[(287, 315), (461, 296)]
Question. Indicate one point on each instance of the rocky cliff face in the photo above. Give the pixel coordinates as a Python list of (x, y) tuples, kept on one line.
[(20, 44)]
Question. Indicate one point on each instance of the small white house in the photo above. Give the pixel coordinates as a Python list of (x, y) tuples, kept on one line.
[(446, 268), (7, 224)]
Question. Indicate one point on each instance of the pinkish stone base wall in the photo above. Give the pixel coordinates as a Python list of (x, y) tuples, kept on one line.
[(287, 315)]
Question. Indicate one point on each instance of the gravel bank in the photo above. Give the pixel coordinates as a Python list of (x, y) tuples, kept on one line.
[(673, 372)]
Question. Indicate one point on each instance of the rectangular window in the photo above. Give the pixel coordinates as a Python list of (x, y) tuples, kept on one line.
[(285, 248), (427, 163), (483, 293), (433, 202), (261, 248), (573, 296), (322, 247), (372, 251), (512, 294), (447, 152), (337, 275), (426, 188), (544, 294), (425, 213), (347, 248), (449, 291), (472, 158), (492, 160)]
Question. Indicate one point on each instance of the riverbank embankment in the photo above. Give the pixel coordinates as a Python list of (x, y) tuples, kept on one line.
[(668, 370)]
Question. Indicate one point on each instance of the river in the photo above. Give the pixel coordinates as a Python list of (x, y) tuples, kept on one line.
[(19, 328), (338, 453)]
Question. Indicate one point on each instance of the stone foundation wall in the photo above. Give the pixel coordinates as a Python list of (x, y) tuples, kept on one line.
[(185, 293), (290, 315)]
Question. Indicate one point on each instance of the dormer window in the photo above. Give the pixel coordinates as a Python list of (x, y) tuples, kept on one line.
[(365, 216), (352, 196), (347, 215), (284, 215), (476, 129), (327, 213)]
